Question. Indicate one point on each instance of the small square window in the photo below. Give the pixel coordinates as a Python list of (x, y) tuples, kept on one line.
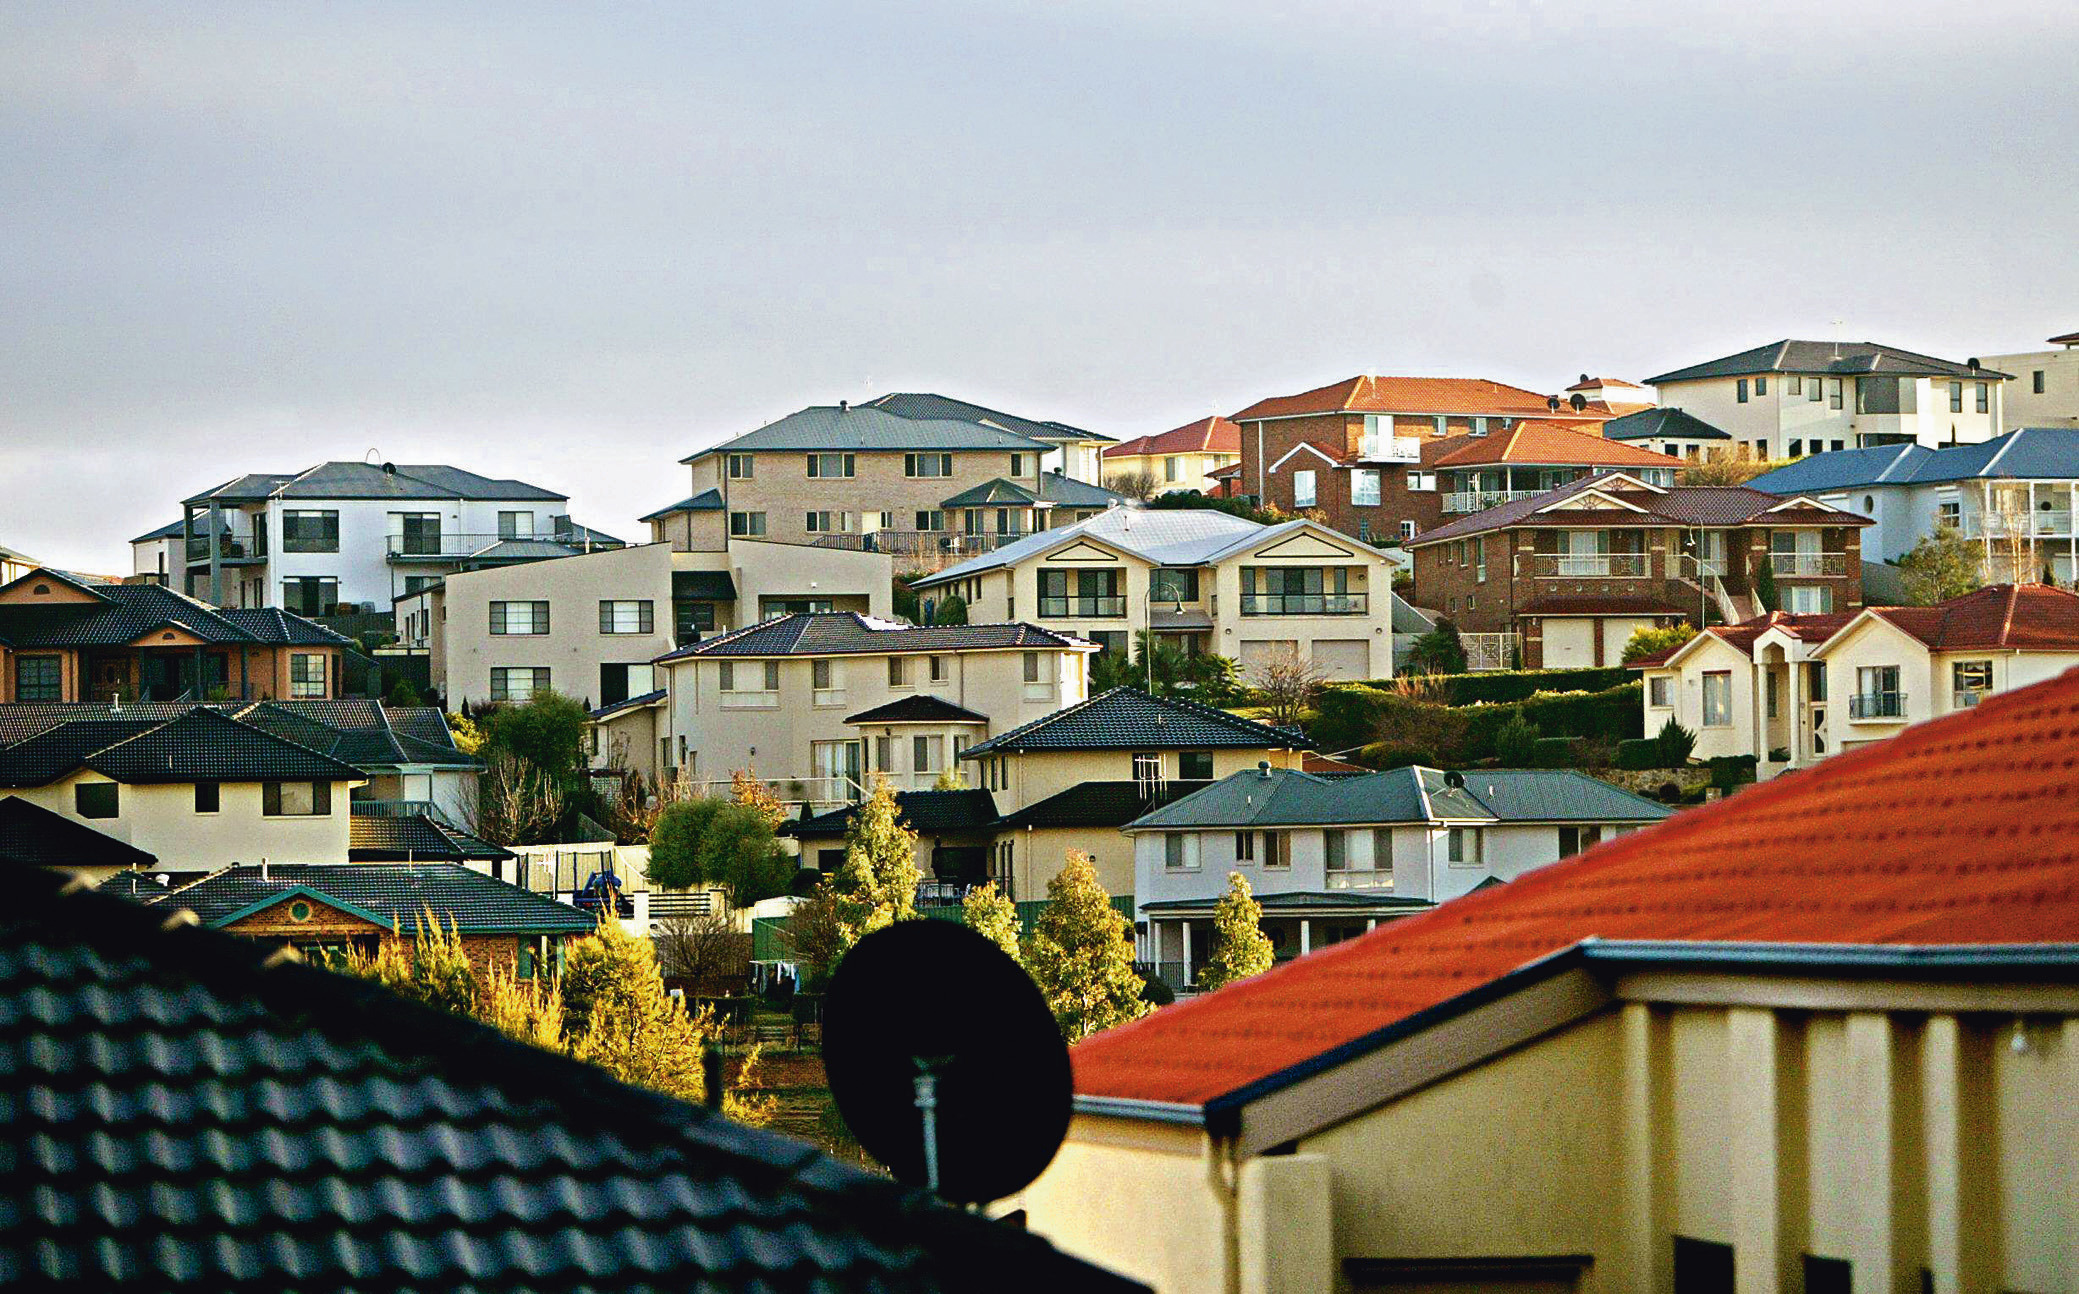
[(1195, 765), (96, 800), (207, 797)]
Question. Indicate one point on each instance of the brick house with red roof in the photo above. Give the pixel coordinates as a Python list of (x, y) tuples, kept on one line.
[(1574, 571), (1183, 458), (1822, 1034)]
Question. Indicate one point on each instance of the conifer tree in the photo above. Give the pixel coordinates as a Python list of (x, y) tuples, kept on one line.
[(1240, 948), (1081, 954), (992, 916), (879, 875)]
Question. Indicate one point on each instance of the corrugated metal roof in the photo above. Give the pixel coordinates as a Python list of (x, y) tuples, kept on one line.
[(1164, 536), (1284, 797), (2032, 453)]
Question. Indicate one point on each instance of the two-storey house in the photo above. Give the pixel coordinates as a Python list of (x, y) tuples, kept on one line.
[(1792, 689), (1788, 399), (1478, 472), (1571, 573), (1183, 458), (2045, 388), (2014, 496), (1329, 857), (818, 705), (1200, 581)]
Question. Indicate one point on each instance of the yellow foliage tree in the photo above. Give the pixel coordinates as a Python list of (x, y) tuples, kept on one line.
[(992, 916), (1240, 948), (1081, 954)]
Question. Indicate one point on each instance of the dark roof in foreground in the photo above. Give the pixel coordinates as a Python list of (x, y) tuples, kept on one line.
[(708, 500), (203, 745), (341, 1137), (381, 837), (34, 836), (1099, 804), (1126, 718), (1648, 424), (1845, 358), (392, 892), (848, 633), (928, 813), (368, 734), (920, 708)]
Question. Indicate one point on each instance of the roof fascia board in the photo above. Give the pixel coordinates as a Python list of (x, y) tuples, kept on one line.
[(294, 892), (1796, 500), (1306, 446), (1565, 504), (1127, 1107)]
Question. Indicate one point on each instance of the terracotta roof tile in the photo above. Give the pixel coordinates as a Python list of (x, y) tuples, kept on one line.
[(1213, 435), (1958, 831), (1550, 442), (1414, 395), (2012, 617)]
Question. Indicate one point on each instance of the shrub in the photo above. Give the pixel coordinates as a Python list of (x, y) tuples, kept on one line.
[(1649, 639), (1388, 755), (1556, 752), (1780, 755), (1729, 771), (1765, 583), (1516, 741), (952, 611), (1438, 652), (1639, 753), (1520, 685), (1676, 743)]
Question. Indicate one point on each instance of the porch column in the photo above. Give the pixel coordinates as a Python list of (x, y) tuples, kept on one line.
[(1306, 936), (1185, 926), (1796, 701), (216, 554)]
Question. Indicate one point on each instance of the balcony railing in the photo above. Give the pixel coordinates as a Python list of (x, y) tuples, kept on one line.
[(1082, 608), (1305, 604), (922, 543), (248, 546), (1968, 697), (1588, 565), (1379, 879), (1481, 500), (1809, 565), (451, 546), (1378, 448), (1877, 705), (2054, 524)]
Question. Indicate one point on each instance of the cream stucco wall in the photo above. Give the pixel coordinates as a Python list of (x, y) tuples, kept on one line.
[(1192, 471), (160, 818), (2058, 405), (1779, 416)]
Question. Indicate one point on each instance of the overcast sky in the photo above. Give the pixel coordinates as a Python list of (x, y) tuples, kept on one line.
[(571, 244)]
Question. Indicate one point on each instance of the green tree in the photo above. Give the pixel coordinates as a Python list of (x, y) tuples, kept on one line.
[(430, 967), (675, 843), (1516, 742), (712, 841), (1941, 566), (1674, 742), (1648, 639), (903, 599), (403, 694), (1438, 652), (1765, 584), (1240, 948), (992, 916), (1081, 954), (951, 610), (879, 875), (547, 732), (1162, 670), (816, 932)]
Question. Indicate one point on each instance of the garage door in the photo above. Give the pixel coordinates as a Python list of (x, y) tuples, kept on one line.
[(1343, 657), (1617, 631), (1569, 644), (1259, 652)]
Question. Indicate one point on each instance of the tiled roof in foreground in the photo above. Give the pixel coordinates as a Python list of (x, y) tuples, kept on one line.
[(1961, 831), (178, 1110)]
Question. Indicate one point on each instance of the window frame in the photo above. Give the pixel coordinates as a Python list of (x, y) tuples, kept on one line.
[(645, 610), (328, 527), (302, 687), (55, 685), (209, 797), (274, 805), (1705, 707), (747, 525), (536, 616), (89, 806)]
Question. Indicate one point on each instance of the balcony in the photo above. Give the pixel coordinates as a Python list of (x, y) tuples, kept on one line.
[(1481, 500), (1082, 608), (235, 548), (1588, 565), (2048, 524), (1877, 706), (1380, 879), (1378, 448), (448, 546), (1808, 565), (1305, 604)]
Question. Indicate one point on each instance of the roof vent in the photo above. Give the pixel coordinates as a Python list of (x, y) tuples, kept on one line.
[(844, 406), (389, 469), (1455, 780), (1263, 769), (1552, 403), (1973, 362), (1579, 401)]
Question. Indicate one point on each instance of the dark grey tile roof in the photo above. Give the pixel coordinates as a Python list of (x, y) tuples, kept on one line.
[(1284, 797), (2032, 453), (126, 612), (273, 625), (174, 529), (928, 813), (203, 745), (923, 404), (58, 750), (375, 481), (1677, 505), (1846, 358), (33, 836), (20, 720), (704, 586), (365, 733), (1648, 424), (1126, 718), (390, 891), (708, 500), (340, 1137), (631, 703), (862, 428), (1053, 488), (1098, 804), (918, 709), (843, 633), (140, 887), (414, 837)]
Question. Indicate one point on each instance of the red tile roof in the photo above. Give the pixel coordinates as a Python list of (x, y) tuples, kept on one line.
[(2003, 617), (1548, 443), (1963, 830), (1588, 383), (1811, 627), (1417, 395), (1679, 505), (1214, 435)]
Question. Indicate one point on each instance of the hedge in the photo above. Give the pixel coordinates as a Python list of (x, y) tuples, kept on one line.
[(1556, 752), (1520, 685), (1348, 716), (1728, 771), (1639, 753)]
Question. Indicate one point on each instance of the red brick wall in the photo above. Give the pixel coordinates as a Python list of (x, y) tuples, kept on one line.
[(1336, 435)]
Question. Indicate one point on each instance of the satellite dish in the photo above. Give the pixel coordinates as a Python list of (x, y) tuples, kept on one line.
[(945, 1061)]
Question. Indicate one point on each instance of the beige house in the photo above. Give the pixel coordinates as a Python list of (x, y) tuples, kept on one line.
[(1201, 581), (1723, 1053), (1793, 689), (1183, 458), (2045, 389)]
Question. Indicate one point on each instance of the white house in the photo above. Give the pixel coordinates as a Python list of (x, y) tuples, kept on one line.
[(355, 533), (1793, 689), (1330, 856), (2045, 389), (1792, 398)]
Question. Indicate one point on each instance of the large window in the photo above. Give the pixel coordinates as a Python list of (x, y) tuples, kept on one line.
[(418, 533), (1172, 467), (823, 465), (931, 519), (510, 683), (1877, 694), (1147, 766), (927, 464), (1299, 591), (516, 618), (1718, 699), (828, 523), (1173, 584), (96, 799), (1364, 487), (1808, 599), (296, 799), (310, 532), (1302, 489), (39, 678), (1970, 681), (627, 617), (310, 595), (307, 676), (1195, 765), (748, 525), (1097, 593), (739, 466), (516, 525)]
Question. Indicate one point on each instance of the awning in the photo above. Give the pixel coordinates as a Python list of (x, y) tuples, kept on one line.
[(702, 586)]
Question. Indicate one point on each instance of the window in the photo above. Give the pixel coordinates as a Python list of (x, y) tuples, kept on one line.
[(1109, 641), (96, 799), (738, 466), (1018, 465), (1442, 423), (1421, 481), (1171, 467), (418, 533), (1173, 584), (310, 595), (1812, 392), (822, 465), (1660, 692), (898, 671), (1147, 766), (2036, 382), (1956, 397), (927, 754), (1302, 489), (927, 464), (1795, 385), (517, 684), (1195, 765), (1245, 846), (1797, 449), (512, 618), (310, 532), (747, 524), (769, 676), (693, 619), (307, 676), (1032, 668), (207, 797), (1277, 850), (1808, 599), (1770, 687), (1407, 530), (828, 523), (1828, 1275), (1949, 512), (1099, 592), (1877, 694), (1480, 558), (1572, 840), (1335, 850), (1177, 853), (1462, 846), (1742, 392), (1837, 445), (821, 673), (1479, 426), (931, 519), (1761, 386), (1984, 397), (1833, 393), (39, 678), (630, 616), (1718, 699), (1703, 1267), (1970, 681), (1364, 488), (938, 668), (516, 525), (296, 799)]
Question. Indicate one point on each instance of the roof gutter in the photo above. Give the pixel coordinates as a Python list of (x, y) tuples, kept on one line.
[(1128, 1107)]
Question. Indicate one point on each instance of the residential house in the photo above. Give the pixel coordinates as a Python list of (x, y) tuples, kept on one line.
[(198, 792), (2014, 496), (374, 1142), (1225, 482), (631, 737), (1565, 577), (820, 704), (359, 534), (14, 565), (2045, 388), (1329, 856), (1475, 473), (955, 830), (1789, 689), (1671, 432), (810, 476), (1183, 458), (589, 625), (1619, 397), (33, 836), (1814, 1036), (73, 638), (1199, 580), (1792, 398)]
